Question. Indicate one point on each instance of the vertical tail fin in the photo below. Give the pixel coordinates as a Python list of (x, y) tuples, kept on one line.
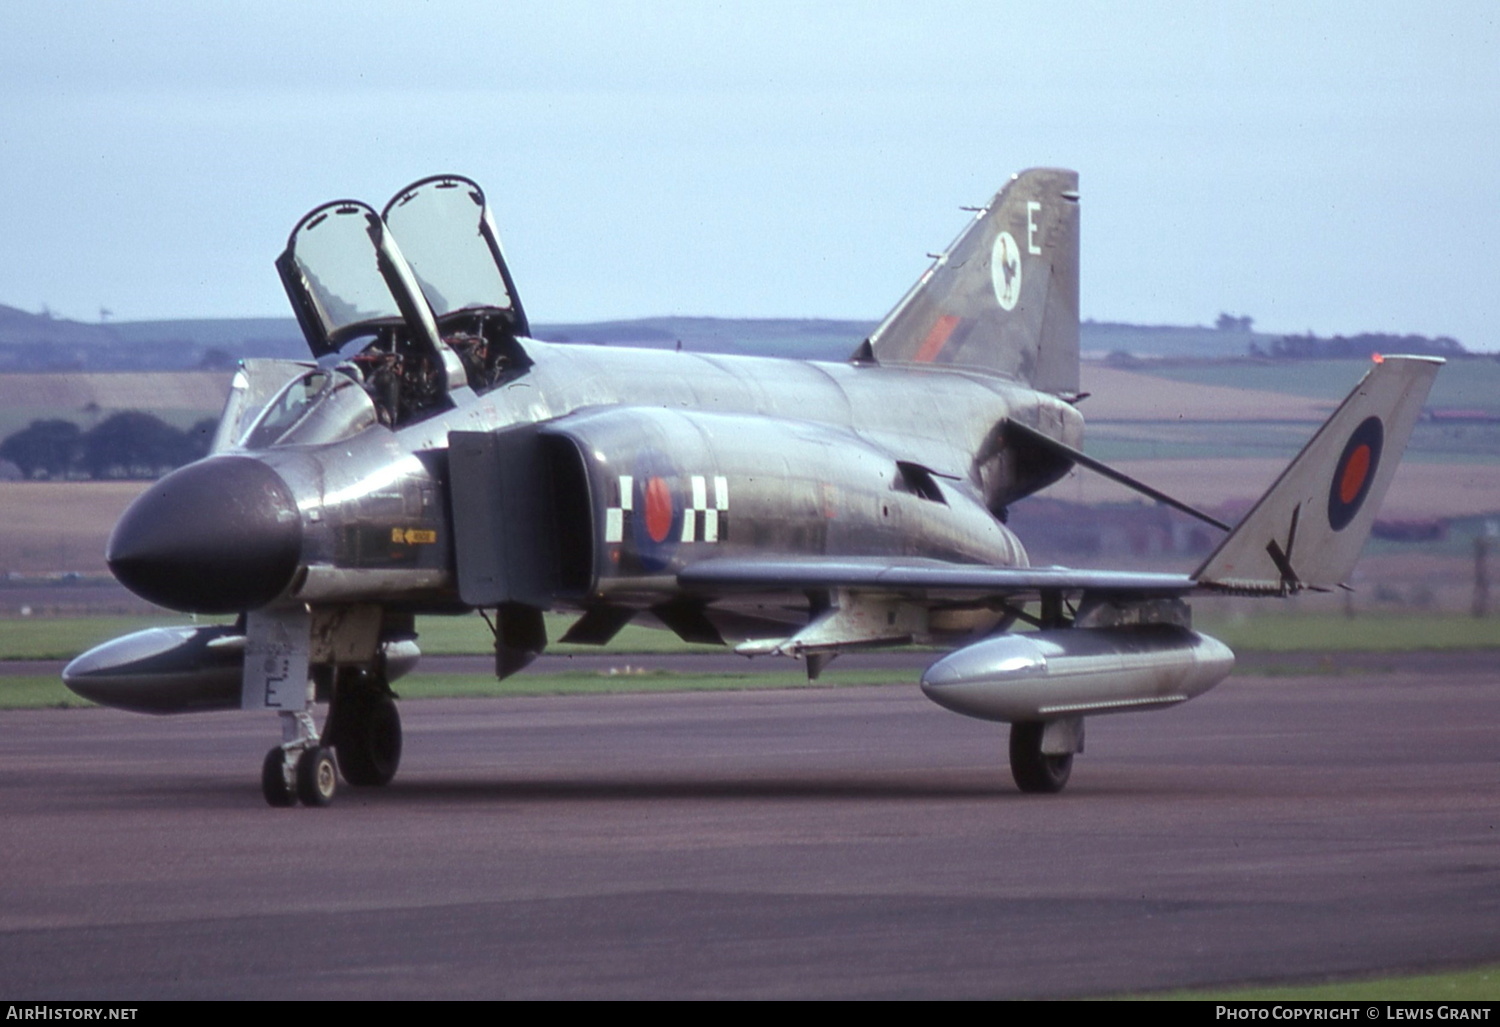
[(1004, 297), (1308, 529)]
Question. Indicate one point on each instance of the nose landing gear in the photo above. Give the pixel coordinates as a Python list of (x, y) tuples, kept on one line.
[(317, 780), (362, 734), (301, 768)]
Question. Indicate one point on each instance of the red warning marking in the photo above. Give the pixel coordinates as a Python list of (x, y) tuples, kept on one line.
[(658, 509), (933, 344), (1355, 472)]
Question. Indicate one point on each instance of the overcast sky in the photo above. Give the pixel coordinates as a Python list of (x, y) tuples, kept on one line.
[(1327, 167)]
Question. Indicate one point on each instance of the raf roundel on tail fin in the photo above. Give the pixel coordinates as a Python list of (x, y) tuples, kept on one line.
[(1004, 296), (1355, 472), (1308, 529)]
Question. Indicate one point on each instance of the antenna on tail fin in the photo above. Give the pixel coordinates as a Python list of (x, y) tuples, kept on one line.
[(1004, 296)]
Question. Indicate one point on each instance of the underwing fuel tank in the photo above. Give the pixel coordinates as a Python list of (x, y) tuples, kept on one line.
[(1077, 672), (183, 669)]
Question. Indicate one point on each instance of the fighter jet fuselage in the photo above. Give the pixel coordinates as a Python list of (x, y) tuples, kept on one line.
[(652, 460)]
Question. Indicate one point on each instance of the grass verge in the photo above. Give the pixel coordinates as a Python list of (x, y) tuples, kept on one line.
[(447, 686), (1369, 632), (1477, 985), (62, 638), (41, 692), (37, 692), (35, 638)]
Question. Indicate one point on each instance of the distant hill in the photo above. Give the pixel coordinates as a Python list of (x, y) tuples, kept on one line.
[(37, 342), (40, 342), (197, 343), (45, 343), (808, 339), (1104, 339)]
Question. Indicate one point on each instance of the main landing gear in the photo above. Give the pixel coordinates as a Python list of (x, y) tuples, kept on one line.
[(362, 733), (1037, 771), (365, 730)]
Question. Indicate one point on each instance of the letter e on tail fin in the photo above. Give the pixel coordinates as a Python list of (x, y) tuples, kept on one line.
[(1308, 530), (1004, 297)]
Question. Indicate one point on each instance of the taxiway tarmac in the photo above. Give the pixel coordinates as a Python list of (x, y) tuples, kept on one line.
[(820, 842)]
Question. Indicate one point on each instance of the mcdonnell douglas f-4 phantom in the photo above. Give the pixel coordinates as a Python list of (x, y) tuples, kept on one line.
[(433, 458)]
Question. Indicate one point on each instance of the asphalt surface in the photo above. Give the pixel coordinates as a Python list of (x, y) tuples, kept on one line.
[(857, 842)]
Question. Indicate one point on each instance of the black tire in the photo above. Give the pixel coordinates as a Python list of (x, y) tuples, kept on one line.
[(1034, 770), (369, 741), (273, 780), (317, 777)]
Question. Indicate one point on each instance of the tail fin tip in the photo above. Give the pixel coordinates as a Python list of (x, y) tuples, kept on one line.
[(1004, 296)]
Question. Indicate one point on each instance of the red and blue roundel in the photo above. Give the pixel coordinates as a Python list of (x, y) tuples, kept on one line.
[(1355, 473), (655, 528)]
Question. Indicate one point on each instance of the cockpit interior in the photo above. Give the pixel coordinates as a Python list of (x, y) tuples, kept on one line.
[(396, 328)]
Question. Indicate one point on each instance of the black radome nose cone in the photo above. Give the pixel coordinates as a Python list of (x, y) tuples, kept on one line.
[(218, 536)]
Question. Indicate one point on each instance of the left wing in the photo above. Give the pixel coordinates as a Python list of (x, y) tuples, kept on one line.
[(929, 579), (857, 603)]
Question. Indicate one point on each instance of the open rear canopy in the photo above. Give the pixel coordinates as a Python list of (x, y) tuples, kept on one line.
[(450, 242)]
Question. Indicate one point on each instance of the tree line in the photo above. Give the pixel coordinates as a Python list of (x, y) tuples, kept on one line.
[(1312, 347), (130, 444)]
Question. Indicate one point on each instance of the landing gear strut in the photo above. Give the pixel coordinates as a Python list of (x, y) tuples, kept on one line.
[(361, 739), (273, 783), (1034, 770)]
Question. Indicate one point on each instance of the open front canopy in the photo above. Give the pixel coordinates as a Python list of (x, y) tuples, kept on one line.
[(331, 270)]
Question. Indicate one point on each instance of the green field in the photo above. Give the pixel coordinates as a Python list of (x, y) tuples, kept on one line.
[(1477, 985), (62, 638), (86, 399), (34, 638), (1196, 440), (1473, 383), (469, 634), (1239, 440), (44, 639), (37, 692), (448, 686), (1333, 633), (33, 692)]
